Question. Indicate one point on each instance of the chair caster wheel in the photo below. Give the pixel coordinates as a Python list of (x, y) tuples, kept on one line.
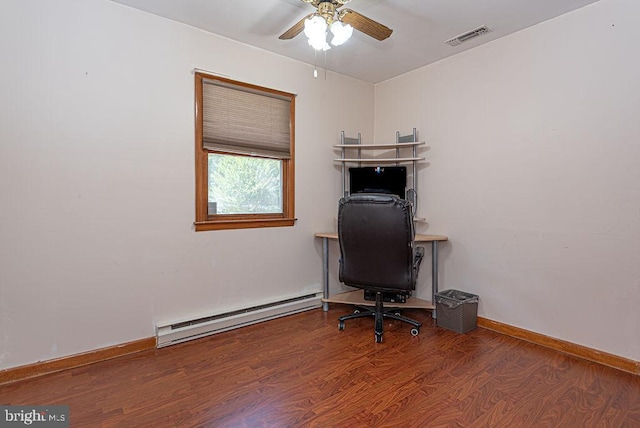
[(378, 338), (340, 325), (415, 331), (356, 311)]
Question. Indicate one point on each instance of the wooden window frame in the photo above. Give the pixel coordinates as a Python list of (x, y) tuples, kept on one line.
[(204, 221)]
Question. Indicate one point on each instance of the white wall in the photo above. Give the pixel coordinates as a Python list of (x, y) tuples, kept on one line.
[(97, 180), (534, 173)]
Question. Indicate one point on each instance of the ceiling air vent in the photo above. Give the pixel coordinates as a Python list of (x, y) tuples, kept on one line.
[(468, 35)]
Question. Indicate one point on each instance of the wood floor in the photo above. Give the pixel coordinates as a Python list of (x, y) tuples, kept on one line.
[(300, 371)]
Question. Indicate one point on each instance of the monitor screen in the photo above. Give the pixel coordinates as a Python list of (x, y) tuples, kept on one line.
[(377, 179)]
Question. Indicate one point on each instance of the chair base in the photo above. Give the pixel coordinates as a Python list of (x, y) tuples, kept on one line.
[(379, 313)]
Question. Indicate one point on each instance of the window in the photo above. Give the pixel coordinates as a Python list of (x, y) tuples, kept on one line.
[(244, 155)]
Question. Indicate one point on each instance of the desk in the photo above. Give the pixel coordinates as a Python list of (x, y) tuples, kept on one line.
[(355, 297)]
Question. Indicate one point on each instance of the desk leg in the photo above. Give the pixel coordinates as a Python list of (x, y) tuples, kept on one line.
[(325, 272), (434, 275)]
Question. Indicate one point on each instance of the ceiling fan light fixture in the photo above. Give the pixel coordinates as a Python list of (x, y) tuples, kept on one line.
[(315, 28), (341, 23), (319, 44), (341, 32)]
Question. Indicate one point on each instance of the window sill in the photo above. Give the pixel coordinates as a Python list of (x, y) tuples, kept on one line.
[(201, 226)]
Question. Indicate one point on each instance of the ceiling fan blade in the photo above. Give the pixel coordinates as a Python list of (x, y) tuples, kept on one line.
[(366, 25), (295, 30)]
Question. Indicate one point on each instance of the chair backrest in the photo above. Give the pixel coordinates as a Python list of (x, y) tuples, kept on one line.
[(376, 236)]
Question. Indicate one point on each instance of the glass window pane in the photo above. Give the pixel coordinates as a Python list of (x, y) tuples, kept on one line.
[(244, 185)]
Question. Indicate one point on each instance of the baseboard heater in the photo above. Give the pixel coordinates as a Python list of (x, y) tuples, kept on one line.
[(193, 329)]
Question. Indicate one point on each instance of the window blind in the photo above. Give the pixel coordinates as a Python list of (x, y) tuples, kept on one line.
[(243, 120)]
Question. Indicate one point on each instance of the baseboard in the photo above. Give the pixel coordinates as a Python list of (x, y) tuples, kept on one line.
[(73, 361), (580, 351)]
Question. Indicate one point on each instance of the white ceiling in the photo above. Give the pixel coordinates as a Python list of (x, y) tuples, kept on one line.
[(420, 28)]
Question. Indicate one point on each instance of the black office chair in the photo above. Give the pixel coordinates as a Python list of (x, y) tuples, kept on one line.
[(378, 253)]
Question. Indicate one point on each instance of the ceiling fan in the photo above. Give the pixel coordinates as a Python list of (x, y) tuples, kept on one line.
[(340, 22)]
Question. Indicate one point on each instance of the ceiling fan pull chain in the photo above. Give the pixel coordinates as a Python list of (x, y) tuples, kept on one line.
[(315, 64), (325, 65)]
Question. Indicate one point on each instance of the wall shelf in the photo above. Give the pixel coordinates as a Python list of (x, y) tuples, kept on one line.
[(378, 160), (406, 151), (380, 146)]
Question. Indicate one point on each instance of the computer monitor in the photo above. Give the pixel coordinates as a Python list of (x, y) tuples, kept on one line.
[(378, 179)]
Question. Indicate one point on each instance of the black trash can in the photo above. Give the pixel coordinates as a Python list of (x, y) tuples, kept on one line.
[(457, 310)]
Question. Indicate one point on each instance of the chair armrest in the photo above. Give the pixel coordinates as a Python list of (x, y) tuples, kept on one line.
[(419, 255)]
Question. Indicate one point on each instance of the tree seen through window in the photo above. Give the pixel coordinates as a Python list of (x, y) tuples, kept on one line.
[(244, 184)]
